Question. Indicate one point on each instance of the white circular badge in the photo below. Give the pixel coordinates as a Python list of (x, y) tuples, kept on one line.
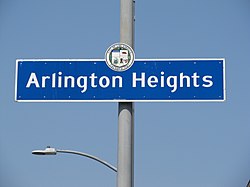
[(119, 57)]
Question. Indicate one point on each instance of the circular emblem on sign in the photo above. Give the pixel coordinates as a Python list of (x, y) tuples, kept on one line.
[(119, 57)]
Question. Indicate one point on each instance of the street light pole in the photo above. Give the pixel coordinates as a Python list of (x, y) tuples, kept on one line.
[(89, 156), (125, 166), (53, 151)]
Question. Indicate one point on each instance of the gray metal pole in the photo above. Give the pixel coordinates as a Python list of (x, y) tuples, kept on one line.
[(125, 166), (127, 9)]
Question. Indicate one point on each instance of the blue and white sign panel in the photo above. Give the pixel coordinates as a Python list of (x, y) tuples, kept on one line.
[(79, 80)]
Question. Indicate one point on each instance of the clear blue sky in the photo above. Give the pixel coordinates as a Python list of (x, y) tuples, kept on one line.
[(176, 144)]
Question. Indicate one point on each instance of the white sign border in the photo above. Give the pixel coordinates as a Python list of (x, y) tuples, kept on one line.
[(121, 100)]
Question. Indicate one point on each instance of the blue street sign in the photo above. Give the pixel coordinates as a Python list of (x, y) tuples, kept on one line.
[(79, 80)]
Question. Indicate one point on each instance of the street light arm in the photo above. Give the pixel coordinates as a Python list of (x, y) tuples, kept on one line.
[(89, 156)]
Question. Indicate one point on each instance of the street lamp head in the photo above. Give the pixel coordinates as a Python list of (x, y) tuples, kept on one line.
[(47, 151)]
